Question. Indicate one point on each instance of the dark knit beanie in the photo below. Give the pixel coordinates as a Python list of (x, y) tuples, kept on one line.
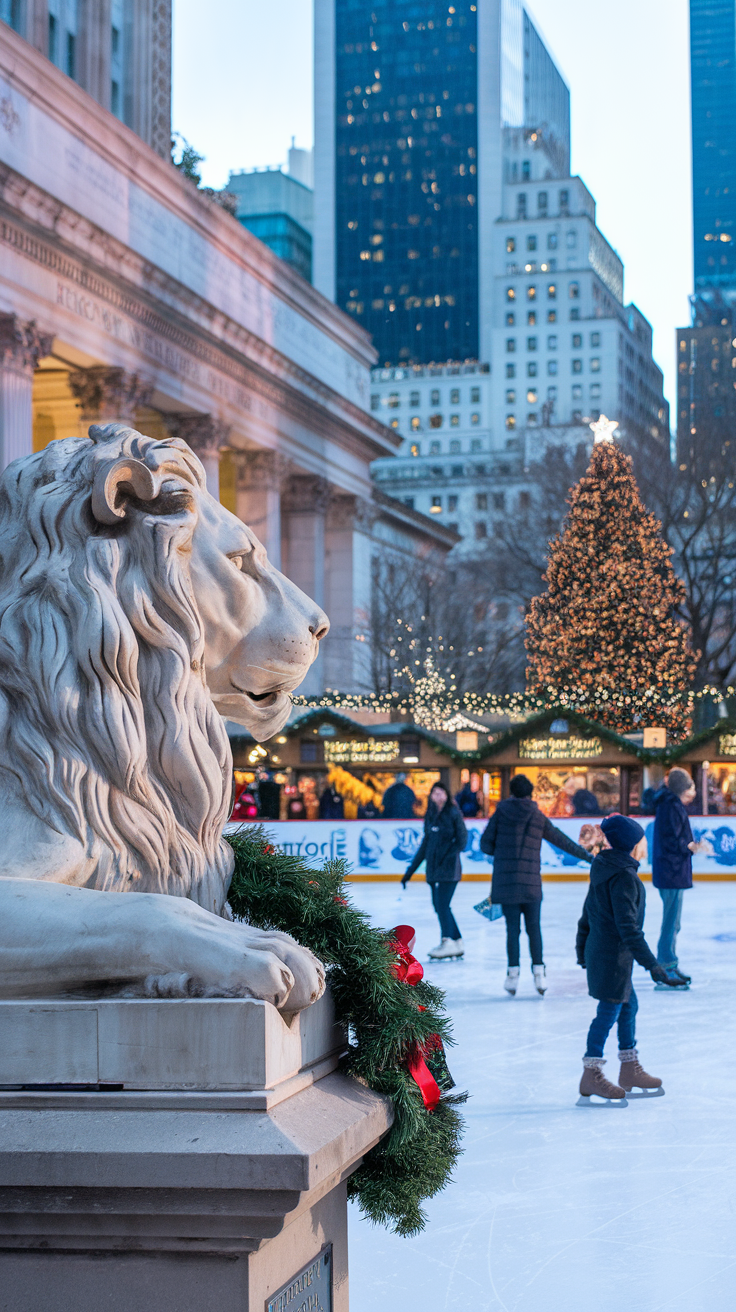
[(678, 781), (521, 786), (622, 832)]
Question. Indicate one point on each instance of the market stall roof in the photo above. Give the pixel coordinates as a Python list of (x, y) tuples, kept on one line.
[(442, 743), (561, 734), (708, 745), (492, 747)]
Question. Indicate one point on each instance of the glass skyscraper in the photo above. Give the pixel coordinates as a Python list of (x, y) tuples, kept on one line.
[(406, 175), (713, 76), (417, 90)]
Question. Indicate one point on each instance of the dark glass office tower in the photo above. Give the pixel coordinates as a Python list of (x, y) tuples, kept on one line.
[(406, 148), (706, 403), (713, 74)]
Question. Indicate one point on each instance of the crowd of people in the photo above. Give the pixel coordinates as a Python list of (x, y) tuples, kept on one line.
[(610, 933)]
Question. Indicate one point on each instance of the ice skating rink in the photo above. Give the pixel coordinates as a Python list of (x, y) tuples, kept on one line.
[(557, 1208)]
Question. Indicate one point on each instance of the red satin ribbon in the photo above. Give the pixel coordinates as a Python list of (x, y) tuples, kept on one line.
[(408, 969), (419, 1071)]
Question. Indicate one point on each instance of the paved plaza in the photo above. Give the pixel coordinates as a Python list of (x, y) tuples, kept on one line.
[(556, 1208)]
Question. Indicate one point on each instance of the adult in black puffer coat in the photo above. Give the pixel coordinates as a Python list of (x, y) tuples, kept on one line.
[(445, 837), (513, 837)]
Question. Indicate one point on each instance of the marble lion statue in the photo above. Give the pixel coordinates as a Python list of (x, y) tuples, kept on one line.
[(135, 612)]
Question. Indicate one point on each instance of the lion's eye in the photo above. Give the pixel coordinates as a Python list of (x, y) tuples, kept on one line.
[(237, 561)]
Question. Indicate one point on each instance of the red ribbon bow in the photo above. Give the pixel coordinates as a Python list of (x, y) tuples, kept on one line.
[(408, 969)]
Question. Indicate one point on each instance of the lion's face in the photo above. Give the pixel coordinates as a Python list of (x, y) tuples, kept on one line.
[(261, 632)]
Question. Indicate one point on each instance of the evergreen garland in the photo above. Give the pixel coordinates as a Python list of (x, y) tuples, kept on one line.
[(608, 620), (384, 1018)]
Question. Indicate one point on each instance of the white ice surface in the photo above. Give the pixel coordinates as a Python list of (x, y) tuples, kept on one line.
[(557, 1208)]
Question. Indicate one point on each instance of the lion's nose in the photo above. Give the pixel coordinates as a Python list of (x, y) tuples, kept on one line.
[(320, 626)]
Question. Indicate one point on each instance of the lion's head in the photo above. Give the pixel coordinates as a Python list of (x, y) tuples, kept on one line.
[(131, 605)]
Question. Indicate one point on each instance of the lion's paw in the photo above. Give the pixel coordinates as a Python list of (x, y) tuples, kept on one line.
[(307, 971)]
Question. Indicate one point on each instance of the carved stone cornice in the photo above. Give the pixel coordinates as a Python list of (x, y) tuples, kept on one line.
[(108, 276), (262, 471), (105, 392), (305, 493), (21, 344), (205, 434)]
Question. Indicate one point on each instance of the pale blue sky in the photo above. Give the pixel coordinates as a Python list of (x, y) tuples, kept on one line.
[(243, 88)]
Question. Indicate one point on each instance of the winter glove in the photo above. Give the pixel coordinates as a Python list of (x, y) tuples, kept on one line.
[(660, 976)]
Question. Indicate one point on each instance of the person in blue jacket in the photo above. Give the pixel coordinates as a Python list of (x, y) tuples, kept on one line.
[(672, 864)]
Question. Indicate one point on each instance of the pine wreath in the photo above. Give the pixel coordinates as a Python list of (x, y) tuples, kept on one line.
[(386, 1019)]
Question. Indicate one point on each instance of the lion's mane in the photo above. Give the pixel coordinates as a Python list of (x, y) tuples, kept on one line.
[(111, 731)]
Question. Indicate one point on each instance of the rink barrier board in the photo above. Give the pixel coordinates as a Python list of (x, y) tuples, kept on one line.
[(382, 849)]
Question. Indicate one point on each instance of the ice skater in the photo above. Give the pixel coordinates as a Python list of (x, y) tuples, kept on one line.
[(610, 938), (513, 837), (672, 864), (445, 837)]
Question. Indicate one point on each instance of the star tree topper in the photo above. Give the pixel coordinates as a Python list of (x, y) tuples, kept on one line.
[(604, 429)]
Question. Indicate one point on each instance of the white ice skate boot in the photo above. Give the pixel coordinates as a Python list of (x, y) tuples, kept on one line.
[(511, 982), (540, 979), (449, 947)]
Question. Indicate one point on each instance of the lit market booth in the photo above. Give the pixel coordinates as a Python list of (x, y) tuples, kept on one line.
[(578, 768), (581, 771), (323, 747), (710, 757)]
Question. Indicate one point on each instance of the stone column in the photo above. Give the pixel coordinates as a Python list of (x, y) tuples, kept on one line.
[(206, 435), (107, 394), (21, 347), (304, 505), (348, 529), (261, 477)]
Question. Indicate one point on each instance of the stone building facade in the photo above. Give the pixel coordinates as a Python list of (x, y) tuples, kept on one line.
[(127, 294)]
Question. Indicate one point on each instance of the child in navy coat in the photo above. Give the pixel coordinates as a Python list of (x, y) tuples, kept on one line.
[(610, 939)]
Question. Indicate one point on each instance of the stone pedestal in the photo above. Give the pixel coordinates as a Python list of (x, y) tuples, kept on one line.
[(175, 1156)]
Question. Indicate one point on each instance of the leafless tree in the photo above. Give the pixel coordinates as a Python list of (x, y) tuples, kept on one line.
[(447, 613), (695, 500)]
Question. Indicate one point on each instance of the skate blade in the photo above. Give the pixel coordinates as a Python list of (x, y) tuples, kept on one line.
[(586, 1100), (645, 1093), (671, 988)]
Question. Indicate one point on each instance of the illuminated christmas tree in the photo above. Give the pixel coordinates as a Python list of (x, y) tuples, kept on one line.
[(605, 633)]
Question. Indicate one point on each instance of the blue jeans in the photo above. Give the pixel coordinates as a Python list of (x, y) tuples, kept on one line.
[(442, 894), (605, 1019), (671, 920)]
